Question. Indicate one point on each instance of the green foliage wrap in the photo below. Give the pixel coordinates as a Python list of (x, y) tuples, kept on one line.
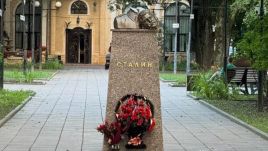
[(214, 89)]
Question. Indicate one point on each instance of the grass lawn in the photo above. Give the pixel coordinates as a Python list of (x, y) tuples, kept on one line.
[(18, 76), (244, 110), (9, 100), (179, 77)]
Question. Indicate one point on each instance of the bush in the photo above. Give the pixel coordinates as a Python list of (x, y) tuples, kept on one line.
[(52, 64), (18, 76), (28, 77), (12, 66), (181, 66), (212, 89)]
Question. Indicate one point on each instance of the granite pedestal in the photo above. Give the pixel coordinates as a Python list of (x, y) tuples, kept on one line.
[(134, 69)]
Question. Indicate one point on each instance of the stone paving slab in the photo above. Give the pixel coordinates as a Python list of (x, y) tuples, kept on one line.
[(65, 112)]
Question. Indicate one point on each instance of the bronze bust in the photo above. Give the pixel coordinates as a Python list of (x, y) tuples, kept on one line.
[(147, 20), (128, 20), (136, 19)]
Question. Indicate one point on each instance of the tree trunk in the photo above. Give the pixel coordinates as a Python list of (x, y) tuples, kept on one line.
[(219, 36), (205, 36)]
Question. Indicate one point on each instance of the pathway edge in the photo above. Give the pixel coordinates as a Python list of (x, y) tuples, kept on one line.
[(231, 117), (16, 110)]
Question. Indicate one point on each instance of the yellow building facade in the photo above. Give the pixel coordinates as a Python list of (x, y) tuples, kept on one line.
[(77, 30)]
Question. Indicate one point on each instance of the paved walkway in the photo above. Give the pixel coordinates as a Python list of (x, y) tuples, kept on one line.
[(64, 113)]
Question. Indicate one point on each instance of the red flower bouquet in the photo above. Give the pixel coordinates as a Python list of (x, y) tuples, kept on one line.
[(134, 117)]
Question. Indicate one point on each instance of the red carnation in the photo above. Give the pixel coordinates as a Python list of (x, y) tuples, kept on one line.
[(151, 125)]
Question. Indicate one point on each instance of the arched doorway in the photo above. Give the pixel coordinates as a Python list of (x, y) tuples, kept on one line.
[(78, 45)]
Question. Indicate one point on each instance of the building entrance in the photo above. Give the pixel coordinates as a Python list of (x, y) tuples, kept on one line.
[(78, 45)]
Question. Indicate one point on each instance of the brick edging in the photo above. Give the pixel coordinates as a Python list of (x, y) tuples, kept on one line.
[(232, 118), (14, 111)]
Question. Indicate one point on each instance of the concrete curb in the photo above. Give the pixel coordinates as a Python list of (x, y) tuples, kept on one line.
[(232, 118), (16, 110), (176, 85), (167, 81), (25, 83), (52, 76)]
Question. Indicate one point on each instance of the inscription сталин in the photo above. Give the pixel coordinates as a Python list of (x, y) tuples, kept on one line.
[(135, 64)]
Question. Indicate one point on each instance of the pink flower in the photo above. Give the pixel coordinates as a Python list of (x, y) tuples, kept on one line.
[(140, 122)]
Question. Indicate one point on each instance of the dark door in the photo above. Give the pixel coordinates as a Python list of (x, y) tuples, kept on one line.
[(78, 45)]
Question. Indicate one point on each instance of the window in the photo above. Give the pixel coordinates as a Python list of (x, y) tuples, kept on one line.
[(169, 31), (28, 26), (79, 7)]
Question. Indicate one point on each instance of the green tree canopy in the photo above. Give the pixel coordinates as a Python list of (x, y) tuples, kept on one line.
[(253, 43)]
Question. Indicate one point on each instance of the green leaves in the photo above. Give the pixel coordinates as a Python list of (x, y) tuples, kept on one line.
[(19, 76), (211, 89), (11, 99), (1, 54), (252, 44), (121, 4)]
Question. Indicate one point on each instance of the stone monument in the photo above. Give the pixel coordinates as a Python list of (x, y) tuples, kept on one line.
[(133, 104), (134, 69)]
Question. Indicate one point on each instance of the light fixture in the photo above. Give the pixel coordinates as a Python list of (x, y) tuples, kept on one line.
[(94, 3), (36, 3), (183, 7), (78, 20), (58, 4)]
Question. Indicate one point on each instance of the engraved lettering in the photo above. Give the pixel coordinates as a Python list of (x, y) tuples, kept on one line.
[(136, 64), (119, 64), (150, 65), (143, 64)]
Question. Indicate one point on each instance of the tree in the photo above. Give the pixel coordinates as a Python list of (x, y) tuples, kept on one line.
[(250, 43), (208, 43), (253, 43), (121, 4), (207, 14)]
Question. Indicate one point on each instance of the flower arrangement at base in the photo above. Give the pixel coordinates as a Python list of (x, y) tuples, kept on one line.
[(134, 117)]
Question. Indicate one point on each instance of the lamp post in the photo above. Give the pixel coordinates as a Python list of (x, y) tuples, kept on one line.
[(22, 18), (177, 35), (40, 42), (34, 4), (188, 68), (261, 73), (1, 45), (58, 4), (225, 42)]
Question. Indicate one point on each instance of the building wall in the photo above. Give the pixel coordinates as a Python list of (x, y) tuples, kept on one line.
[(9, 22), (98, 17)]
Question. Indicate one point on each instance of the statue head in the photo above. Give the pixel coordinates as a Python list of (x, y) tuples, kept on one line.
[(147, 20)]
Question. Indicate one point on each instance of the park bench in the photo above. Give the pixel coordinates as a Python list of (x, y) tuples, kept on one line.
[(243, 76)]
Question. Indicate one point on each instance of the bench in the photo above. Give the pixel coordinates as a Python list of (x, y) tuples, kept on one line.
[(243, 76)]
